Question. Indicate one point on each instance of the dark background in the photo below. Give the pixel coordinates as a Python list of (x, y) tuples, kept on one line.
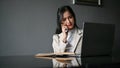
[(27, 26)]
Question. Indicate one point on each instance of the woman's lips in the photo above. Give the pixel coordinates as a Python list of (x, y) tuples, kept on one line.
[(69, 25)]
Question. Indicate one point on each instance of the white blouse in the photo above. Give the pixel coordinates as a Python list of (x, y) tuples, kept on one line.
[(70, 46)]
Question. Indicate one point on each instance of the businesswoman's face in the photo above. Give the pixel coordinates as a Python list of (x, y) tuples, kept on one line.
[(67, 20)]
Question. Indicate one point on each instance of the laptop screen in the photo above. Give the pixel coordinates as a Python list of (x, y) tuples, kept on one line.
[(98, 39)]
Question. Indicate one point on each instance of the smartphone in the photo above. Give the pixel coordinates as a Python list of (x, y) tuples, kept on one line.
[(66, 30)]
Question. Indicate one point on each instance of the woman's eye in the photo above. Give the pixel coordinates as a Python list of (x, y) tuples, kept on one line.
[(63, 19), (70, 17)]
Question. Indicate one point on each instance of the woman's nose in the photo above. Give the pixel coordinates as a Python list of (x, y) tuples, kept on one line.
[(67, 21)]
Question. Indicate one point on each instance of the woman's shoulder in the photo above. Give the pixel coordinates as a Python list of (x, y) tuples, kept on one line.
[(79, 30), (55, 36)]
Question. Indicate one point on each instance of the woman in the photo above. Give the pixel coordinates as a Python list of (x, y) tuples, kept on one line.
[(68, 37)]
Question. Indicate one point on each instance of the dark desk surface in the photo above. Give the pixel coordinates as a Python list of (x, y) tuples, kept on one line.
[(33, 62)]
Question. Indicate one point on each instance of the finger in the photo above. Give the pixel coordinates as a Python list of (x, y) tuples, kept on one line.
[(66, 29)]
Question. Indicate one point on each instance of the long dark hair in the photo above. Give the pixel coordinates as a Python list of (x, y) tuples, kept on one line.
[(60, 13)]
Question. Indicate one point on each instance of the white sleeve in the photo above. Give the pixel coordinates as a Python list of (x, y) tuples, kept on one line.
[(58, 45)]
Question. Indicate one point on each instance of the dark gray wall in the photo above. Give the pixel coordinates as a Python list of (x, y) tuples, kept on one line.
[(27, 26)]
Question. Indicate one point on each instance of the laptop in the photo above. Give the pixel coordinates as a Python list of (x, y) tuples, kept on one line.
[(98, 39)]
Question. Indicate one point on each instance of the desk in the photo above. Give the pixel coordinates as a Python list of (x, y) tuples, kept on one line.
[(33, 62), (23, 62)]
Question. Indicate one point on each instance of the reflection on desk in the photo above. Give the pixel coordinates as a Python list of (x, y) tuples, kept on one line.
[(47, 62), (84, 62), (65, 59), (73, 62)]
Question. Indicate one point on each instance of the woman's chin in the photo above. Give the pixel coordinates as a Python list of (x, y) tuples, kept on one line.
[(70, 28)]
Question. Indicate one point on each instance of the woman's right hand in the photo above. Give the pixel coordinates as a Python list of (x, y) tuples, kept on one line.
[(65, 33)]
